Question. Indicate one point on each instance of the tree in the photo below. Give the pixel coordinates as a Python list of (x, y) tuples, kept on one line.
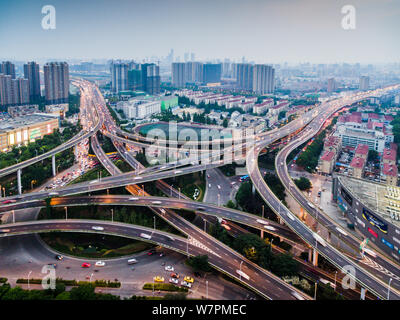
[(225, 123), (199, 263), (230, 204), (84, 292), (303, 183), (175, 296), (284, 265), (373, 155)]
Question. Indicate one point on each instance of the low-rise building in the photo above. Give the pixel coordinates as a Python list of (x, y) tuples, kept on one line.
[(22, 130), (389, 156), (361, 151), (357, 167), (327, 162), (389, 174)]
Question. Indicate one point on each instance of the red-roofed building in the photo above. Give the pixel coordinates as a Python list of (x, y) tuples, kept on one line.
[(357, 166), (361, 151), (389, 156), (333, 143), (389, 174), (327, 162)]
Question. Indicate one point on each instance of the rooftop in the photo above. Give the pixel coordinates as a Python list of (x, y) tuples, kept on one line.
[(389, 154), (357, 163), (25, 121), (362, 149), (327, 156), (389, 170), (375, 196)]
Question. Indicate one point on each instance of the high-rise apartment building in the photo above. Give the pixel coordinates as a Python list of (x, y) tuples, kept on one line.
[(13, 91), (244, 76), (21, 91), (8, 68), (31, 73), (212, 72), (151, 78), (331, 85), (56, 81), (179, 73), (364, 83), (119, 76), (263, 79)]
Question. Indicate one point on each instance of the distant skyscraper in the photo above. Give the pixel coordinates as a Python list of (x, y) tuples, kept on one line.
[(212, 72), (151, 78), (364, 83), (186, 57), (244, 76), (263, 79), (119, 76), (56, 81), (192, 57), (31, 72), (331, 85), (8, 68), (135, 79), (179, 74)]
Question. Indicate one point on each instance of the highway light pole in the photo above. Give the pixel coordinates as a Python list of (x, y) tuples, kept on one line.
[(219, 199), (29, 274), (66, 213), (179, 195), (389, 288), (207, 289), (112, 215)]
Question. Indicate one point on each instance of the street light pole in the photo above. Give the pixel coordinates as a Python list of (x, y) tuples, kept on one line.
[(389, 288), (29, 274)]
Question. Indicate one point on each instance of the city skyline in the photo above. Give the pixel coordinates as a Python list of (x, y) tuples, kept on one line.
[(262, 31)]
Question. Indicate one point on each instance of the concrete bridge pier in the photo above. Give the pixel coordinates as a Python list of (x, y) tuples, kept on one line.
[(363, 292)]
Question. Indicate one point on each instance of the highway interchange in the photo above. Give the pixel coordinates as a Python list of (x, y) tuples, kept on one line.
[(221, 257)]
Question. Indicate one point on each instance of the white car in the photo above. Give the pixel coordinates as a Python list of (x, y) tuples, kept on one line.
[(173, 280), (100, 264), (169, 268), (186, 284), (97, 228)]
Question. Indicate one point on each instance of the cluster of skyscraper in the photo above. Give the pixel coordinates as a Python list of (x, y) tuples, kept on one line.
[(133, 76), (257, 78), (27, 90)]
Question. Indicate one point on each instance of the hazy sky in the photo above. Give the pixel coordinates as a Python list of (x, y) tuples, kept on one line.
[(267, 31)]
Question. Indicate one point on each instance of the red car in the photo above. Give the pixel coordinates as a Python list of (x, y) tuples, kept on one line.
[(149, 253), (85, 265)]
